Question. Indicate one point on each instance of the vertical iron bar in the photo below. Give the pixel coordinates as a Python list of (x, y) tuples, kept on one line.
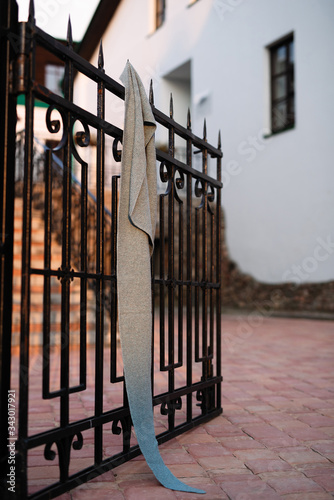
[(99, 264), (28, 50), (196, 277), (180, 289), (171, 290), (9, 21), (153, 271), (83, 281), (205, 265), (162, 280), (218, 276), (212, 266), (66, 262), (47, 267), (113, 322), (189, 272)]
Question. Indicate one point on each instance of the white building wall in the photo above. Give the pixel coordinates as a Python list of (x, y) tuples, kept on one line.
[(278, 192)]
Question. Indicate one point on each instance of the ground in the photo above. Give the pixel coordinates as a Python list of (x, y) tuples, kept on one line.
[(275, 436)]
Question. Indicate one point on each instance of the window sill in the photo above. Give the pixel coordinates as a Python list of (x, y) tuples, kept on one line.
[(267, 136)]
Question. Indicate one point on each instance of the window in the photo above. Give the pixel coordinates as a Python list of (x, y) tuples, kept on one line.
[(160, 8), (282, 85), (54, 77)]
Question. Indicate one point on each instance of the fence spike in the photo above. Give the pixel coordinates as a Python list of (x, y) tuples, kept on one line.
[(204, 129), (171, 110), (69, 32), (31, 17), (219, 140), (100, 58), (188, 119), (151, 94)]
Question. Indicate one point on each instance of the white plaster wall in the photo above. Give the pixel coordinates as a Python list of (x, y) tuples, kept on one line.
[(278, 192)]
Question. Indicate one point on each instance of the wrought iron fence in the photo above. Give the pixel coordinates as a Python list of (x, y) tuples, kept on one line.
[(186, 274)]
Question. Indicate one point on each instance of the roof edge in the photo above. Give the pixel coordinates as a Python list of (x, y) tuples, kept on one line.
[(97, 26)]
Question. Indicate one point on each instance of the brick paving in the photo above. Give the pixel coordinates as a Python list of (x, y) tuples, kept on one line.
[(274, 439)]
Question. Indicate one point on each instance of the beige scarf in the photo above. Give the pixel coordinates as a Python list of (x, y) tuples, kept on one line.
[(136, 228)]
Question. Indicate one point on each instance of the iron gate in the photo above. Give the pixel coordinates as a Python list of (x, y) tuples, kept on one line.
[(186, 274)]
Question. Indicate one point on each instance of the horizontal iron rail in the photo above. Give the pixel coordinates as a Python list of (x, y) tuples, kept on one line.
[(174, 282), (185, 133), (72, 274), (114, 415)]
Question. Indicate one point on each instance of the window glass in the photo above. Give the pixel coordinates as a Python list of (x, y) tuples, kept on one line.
[(291, 52), (280, 115), (279, 87), (280, 59), (282, 85)]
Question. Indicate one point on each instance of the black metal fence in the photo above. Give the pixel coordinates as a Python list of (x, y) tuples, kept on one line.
[(186, 276)]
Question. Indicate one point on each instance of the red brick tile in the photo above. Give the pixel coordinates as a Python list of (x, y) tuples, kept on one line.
[(328, 430), (224, 430), (228, 475), (243, 419), (326, 481), (294, 485), (213, 491), (268, 465), (306, 434), (197, 435), (262, 431), (257, 454), (308, 496), (266, 476), (133, 467), (325, 447), (48, 472), (318, 470), (223, 462), (280, 442), (316, 420), (139, 480), (315, 403), (187, 470), (177, 457), (147, 493), (207, 450), (259, 408), (276, 416), (301, 456), (249, 490), (240, 443), (292, 423), (105, 494)]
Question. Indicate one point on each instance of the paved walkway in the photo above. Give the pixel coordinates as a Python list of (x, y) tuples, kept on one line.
[(275, 437)]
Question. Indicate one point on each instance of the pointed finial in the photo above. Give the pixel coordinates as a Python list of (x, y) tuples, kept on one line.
[(219, 140), (69, 32), (100, 61), (151, 94), (31, 17), (171, 110), (188, 119), (204, 129)]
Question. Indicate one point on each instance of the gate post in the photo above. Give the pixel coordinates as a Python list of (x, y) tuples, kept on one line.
[(8, 34)]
